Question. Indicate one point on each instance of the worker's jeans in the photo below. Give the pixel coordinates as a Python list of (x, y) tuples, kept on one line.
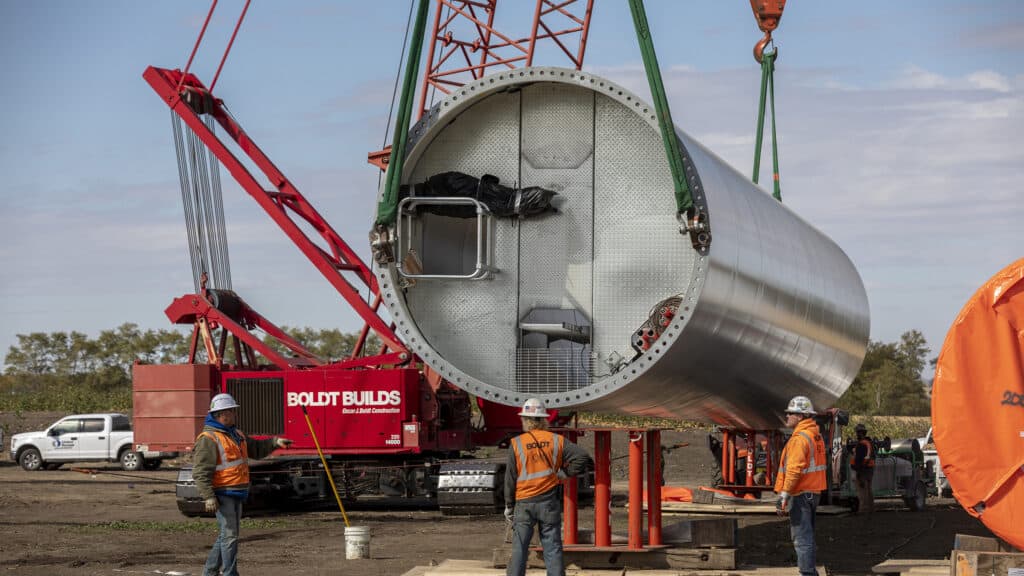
[(547, 514), (864, 494), (224, 554), (801, 524)]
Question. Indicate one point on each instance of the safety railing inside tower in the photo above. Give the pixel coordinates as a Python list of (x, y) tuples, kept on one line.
[(550, 370), (554, 353), (418, 245)]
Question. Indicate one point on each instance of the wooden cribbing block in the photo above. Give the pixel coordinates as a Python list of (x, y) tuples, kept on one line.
[(971, 563)]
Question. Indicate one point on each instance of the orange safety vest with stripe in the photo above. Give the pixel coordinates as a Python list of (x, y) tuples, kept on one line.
[(869, 455), (232, 461), (805, 452), (538, 459)]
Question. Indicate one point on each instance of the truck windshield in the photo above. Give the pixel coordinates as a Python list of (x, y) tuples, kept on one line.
[(67, 427)]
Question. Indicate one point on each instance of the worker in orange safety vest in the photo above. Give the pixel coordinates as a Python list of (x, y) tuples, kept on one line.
[(862, 461), (538, 460), (800, 479), (220, 470)]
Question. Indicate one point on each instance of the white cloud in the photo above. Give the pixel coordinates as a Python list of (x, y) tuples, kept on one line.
[(917, 78), (989, 80)]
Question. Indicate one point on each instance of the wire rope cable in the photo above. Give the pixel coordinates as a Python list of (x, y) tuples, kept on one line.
[(203, 205), (394, 89)]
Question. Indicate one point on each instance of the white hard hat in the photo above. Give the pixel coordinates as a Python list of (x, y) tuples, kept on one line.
[(800, 405), (222, 402), (534, 408)]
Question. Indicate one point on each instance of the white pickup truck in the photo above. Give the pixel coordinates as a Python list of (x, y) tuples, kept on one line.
[(82, 438)]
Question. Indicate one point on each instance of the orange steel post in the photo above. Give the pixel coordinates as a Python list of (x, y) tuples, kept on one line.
[(636, 489), (654, 487), (570, 510), (725, 456), (751, 438), (602, 489), (770, 458)]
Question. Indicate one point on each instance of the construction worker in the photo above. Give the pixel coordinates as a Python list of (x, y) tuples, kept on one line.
[(221, 473), (537, 461), (800, 479), (862, 461)]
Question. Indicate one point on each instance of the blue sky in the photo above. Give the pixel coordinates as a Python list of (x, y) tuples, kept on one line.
[(901, 130)]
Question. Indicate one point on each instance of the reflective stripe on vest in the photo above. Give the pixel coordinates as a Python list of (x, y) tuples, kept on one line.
[(813, 467), (541, 477), (813, 478), (232, 469)]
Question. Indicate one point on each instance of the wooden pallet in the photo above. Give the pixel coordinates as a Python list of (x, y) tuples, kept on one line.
[(972, 563), (737, 508), (906, 567), (971, 556), (691, 533), (620, 557), (483, 568)]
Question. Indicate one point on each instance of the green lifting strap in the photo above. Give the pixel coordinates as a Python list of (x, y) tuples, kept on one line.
[(767, 90), (684, 199), (388, 206)]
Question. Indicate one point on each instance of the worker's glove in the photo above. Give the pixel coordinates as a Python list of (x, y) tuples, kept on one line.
[(211, 504), (282, 442), (509, 513), (782, 505)]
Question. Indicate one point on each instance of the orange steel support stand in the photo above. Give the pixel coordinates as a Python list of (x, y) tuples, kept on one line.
[(602, 494), (730, 450)]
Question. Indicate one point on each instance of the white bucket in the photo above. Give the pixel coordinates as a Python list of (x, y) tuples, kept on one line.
[(357, 542)]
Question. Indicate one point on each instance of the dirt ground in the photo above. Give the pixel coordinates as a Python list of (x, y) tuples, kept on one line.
[(66, 522)]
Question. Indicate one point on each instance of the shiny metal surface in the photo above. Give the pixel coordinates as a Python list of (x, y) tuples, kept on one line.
[(774, 309)]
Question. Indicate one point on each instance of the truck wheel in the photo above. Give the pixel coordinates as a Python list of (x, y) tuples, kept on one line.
[(919, 500), (30, 459), (131, 461), (151, 464)]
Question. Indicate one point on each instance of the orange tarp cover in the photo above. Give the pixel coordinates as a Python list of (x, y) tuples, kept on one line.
[(673, 494), (978, 405)]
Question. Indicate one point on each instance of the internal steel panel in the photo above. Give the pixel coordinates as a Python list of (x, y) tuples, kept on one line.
[(558, 154), (640, 258), (556, 250), (473, 324)]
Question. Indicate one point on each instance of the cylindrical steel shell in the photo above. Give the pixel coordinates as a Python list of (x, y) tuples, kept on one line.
[(773, 309)]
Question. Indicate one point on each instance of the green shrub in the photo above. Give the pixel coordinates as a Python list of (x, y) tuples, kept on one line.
[(895, 427), (71, 394)]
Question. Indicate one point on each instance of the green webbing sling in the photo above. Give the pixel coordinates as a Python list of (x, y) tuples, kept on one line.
[(388, 206), (767, 90), (684, 200)]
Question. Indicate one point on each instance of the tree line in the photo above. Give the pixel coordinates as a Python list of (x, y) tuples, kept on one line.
[(891, 379), (72, 372)]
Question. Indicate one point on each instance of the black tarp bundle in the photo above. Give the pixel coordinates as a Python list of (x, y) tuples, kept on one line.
[(503, 201)]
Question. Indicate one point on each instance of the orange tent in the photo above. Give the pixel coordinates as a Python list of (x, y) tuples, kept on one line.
[(978, 405)]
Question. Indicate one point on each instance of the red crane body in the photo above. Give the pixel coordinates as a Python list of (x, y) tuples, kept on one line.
[(378, 413)]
